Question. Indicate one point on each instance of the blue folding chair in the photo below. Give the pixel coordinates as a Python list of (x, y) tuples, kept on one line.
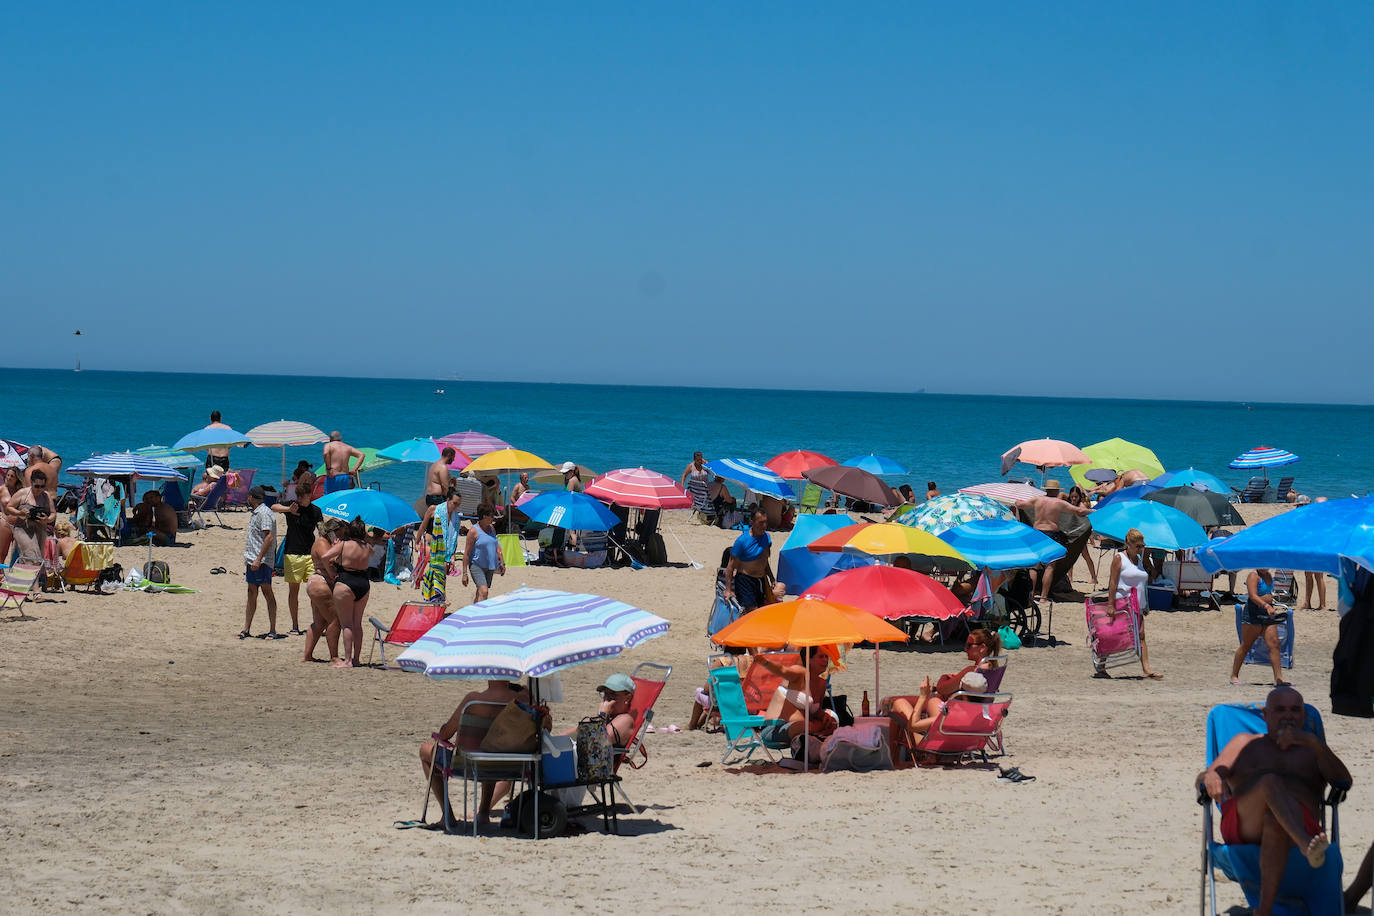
[(1303, 889), (743, 732)]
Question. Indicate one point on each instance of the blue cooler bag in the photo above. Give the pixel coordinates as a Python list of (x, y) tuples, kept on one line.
[(559, 759)]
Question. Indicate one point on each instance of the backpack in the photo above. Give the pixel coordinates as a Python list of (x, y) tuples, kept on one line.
[(157, 572)]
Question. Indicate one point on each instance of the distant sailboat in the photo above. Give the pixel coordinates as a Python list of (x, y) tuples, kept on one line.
[(78, 366)]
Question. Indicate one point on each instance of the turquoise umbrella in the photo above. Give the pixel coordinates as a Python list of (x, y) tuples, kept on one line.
[(173, 458), (1164, 527), (1000, 543), (376, 508)]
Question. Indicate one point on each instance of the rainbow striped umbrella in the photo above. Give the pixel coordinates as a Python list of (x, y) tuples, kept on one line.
[(640, 489), (529, 632), (472, 442), (281, 433), (1265, 456)]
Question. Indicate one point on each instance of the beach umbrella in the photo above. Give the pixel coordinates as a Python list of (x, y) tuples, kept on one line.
[(1313, 537), (876, 464), (1262, 457), (799, 568), (1000, 543), (555, 475), (423, 450), (125, 464), (1010, 493), (199, 440), (640, 489), (1198, 480), (503, 460), (575, 511), (856, 483), (377, 509), (752, 475), (529, 632), (888, 592), (789, 465), (173, 458), (283, 433), (371, 462), (473, 443), (887, 539), (12, 454), (1163, 526), (944, 512), (1208, 509), (1118, 455), (1134, 491), (1044, 453)]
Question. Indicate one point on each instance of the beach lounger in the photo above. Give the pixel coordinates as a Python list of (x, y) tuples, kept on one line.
[(1254, 491), (212, 501), (1303, 889), (1284, 488), (810, 500), (1113, 641), (240, 482), (968, 726), (1259, 652), (20, 584), (413, 620), (742, 729)]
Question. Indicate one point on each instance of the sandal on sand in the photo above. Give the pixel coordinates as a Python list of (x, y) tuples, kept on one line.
[(1102, 673), (218, 571), (1155, 676), (244, 634), (296, 631), (273, 634), (1013, 775)]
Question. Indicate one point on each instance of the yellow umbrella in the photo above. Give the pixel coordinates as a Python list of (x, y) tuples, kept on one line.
[(1118, 455), (507, 459), (885, 539)]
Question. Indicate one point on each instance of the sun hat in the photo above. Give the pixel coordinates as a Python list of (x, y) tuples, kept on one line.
[(215, 471), (1051, 485), (567, 466), (618, 683)]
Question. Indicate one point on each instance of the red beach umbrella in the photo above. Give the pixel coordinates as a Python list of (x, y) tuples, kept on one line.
[(789, 465), (889, 592), (640, 489)]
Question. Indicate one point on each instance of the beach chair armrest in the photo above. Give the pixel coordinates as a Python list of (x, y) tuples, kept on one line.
[(1202, 797), (1336, 794), (382, 628)]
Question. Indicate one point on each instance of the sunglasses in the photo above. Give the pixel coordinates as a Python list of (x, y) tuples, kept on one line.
[(973, 642)]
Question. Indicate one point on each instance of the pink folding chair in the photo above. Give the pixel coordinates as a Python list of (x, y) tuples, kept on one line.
[(1114, 641), (967, 726)]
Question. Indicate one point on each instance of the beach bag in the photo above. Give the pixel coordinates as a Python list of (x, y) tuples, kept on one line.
[(157, 572), (1008, 637), (595, 756), (513, 731)]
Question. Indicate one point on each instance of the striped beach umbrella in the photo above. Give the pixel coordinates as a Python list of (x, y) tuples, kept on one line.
[(944, 512), (125, 464), (283, 433), (753, 475), (12, 454), (529, 632), (173, 458), (1265, 456), (1004, 492), (1000, 543), (473, 443), (640, 489)]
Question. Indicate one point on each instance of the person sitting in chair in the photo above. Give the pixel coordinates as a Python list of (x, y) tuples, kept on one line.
[(465, 730), (796, 704), (980, 646), (208, 479)]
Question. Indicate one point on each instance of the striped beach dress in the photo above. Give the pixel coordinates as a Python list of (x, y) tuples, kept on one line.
[(435, 582), (698, 487)]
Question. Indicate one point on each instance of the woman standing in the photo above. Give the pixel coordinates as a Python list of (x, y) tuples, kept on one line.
[(350, 557), (482, 552), (1129, 574), (1260, 620), (12, 485), (1077, 497)]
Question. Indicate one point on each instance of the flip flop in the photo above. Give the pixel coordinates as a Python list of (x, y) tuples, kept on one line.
[(297, 632), (1102, 674), (1155, 676), (244, 634), (219, 571)]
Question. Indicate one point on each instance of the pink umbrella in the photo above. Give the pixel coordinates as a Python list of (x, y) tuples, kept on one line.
[(1004, 492), (789, 465), (640, 489), (1045, 453), (473, 442)]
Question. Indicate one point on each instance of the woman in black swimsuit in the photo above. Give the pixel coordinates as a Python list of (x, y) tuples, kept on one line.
[(350, 556)]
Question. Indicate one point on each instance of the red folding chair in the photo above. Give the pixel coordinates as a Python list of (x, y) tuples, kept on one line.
[(412, 621)]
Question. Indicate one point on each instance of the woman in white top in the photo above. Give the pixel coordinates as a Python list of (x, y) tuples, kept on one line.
[(1129, 572)]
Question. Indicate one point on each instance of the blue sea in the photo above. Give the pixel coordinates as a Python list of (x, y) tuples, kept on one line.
[(954, 440)]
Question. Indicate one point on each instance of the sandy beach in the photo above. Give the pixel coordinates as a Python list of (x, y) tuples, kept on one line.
[(151, 762)]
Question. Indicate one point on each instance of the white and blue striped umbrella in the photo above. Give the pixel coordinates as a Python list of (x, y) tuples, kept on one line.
[(125, 464), (1000, 543), (173, 458), (529, 632), (1265, 456), (752, 475)]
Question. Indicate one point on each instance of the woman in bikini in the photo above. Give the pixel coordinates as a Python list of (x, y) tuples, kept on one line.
[(319, 588), (1261, 622), (350, 557)]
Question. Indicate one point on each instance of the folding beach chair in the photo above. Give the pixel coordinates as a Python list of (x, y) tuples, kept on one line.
[(413, 620), (1285, 586), (476, 766), (759, 683), (742, 730), (20, 585), (470, 490), (1284, 488), (212, 501), (84, 564), (1259, 651), (1253, 492), (810, 500), (240, 483), (512, 550), (967, 726), (1114, 641), (1303, 889)]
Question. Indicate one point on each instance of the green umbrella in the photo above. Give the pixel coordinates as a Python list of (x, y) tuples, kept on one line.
[(371, 462), (1119, 456)]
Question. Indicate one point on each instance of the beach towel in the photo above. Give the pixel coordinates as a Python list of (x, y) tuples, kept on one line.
[(435, 581)]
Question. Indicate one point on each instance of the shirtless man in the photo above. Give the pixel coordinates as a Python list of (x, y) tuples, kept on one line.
[(748, 565), (156, 517), (797, 698), (1047, 509), (521, 487), (438, 480), (1270, 790), (340, 472), (48, 462), (219, 455)]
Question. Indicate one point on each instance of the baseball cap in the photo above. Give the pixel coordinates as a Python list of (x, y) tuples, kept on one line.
[(618, 683)]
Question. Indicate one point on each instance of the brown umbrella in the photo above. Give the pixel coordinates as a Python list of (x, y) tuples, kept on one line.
[(854, 482)]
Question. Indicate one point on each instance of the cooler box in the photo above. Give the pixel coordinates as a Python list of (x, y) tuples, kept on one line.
[(559, 760), (1160, 599), (1259, 652)]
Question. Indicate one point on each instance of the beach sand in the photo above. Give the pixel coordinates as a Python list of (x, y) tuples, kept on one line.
[(150, 761)]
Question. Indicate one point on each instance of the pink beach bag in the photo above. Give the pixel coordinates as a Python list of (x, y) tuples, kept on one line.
[(1108, 635)]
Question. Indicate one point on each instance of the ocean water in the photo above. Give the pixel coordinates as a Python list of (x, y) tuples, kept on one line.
[(955, 440)]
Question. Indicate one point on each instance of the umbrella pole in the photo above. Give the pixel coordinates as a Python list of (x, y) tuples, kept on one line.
[(806, 715), (283, 465), (695, 564), (877, 694)]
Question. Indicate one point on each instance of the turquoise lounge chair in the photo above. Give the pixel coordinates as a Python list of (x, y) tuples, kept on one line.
[(743, 732)]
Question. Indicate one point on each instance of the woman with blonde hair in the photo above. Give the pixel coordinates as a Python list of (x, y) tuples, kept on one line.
[(1129, 574)]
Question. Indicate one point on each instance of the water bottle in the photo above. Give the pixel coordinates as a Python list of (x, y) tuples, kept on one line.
[(863, 707)]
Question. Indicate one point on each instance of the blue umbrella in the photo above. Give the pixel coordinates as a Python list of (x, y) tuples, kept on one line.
[(799, 568), (999, 543), (752, 475), (529, 632), (210, 437), (377, 509), (1163, 526), (125, 464), (1265, 456), (1198, 480), (1313, 537), (575, 511), (876, 464), (411, 450), (171, 457), (1135, 491)]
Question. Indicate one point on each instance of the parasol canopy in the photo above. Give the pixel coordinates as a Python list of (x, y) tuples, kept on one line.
[(640, 489)]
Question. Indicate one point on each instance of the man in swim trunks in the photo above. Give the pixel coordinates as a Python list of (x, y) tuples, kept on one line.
[(1270, 789), (438, 480), (259, 556), (748, 578), (339, 473), (1047, 509)]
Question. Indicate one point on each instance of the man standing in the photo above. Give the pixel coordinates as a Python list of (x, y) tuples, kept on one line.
[(340, 471), (1047, 509), (747, 574), (302, 518), (259, 554), (1270, 790), (438, 480), (218, 455)]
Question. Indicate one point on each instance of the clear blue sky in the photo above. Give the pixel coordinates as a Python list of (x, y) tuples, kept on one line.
[(863, 196)]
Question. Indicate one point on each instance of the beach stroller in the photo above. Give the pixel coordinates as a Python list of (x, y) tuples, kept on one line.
[(1303, 889), (1114, 641)]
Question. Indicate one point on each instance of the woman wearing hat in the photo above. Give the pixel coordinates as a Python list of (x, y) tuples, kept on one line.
[(571, 481), (208, 480)]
